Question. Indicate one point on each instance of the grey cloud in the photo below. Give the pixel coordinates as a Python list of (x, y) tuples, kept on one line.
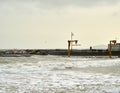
[(39, 6), (79, 3), (60, 3), (18, 6)]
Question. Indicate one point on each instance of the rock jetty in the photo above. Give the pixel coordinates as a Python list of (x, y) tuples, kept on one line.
[(30, 52)]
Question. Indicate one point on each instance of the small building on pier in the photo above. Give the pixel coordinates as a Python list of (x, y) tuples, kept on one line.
[(115, 47)]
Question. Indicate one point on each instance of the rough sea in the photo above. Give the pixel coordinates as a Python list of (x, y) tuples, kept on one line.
[(59, 74)]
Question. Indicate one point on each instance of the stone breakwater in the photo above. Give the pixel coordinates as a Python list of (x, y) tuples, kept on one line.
[(21, 52), (30, 52)]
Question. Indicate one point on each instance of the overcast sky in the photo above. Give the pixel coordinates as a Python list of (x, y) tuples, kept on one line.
[(49, 23)]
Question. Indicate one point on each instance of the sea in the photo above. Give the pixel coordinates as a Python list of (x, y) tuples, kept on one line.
[(59, 74)]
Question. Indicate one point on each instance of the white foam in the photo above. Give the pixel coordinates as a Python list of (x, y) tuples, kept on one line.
[(48, 74)]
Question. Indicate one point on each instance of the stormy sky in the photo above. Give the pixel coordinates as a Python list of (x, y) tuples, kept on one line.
[(49, 23)]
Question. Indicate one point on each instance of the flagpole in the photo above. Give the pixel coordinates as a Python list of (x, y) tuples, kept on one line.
[(71, 39)]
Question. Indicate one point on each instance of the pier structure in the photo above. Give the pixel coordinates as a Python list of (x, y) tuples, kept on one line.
[(70, 43)]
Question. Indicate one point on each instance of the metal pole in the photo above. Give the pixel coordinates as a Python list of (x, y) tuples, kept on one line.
[(69, 48), (110, 51), (71, 39)]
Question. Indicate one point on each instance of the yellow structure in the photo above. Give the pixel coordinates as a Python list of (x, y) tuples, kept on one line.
[(110, 51), (69, 44)]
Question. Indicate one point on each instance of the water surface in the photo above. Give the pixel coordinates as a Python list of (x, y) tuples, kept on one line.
[(59, 74)]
